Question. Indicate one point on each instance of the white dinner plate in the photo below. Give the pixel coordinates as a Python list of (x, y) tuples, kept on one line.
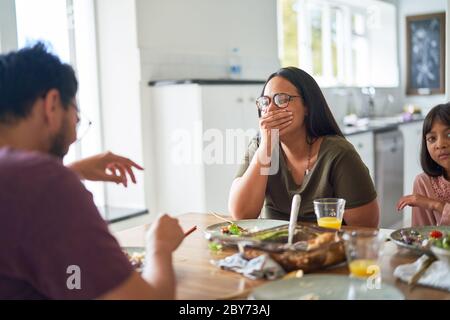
[(326, 287), (251, 225)]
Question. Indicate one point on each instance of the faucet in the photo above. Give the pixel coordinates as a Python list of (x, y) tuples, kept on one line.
[(369, 110)]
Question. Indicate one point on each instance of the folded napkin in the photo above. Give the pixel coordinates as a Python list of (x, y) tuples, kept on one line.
[(257, 268), (437, 275)]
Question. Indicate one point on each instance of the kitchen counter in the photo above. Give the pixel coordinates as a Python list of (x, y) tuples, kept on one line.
[(115, 214), (378, 125), (157, 83)]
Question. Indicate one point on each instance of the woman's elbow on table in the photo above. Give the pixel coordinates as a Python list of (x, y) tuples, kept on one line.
[(367, 215), (239, 206), (235, 206), (237, 209)]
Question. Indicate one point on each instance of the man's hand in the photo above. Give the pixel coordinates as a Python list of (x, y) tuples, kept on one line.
[(107, 167), (164, 235)]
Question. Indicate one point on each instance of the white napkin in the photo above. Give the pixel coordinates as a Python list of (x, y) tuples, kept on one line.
[(437, 275), (260, 267)]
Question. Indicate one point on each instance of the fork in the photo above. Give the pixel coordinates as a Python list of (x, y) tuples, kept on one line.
[(415, 278), (220, 217)]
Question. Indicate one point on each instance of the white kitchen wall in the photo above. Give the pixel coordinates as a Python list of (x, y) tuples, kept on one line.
[(418, 7), (142, 40), (8, 27), (193, 39)]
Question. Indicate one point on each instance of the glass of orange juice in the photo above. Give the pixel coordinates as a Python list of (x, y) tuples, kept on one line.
[(362, 249), (329, 212)]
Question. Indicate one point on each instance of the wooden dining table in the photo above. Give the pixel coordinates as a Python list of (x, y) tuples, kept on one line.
[(199, 279)]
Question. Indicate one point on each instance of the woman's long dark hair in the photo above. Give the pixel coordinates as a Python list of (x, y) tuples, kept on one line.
[(320, 120), (440, 113)]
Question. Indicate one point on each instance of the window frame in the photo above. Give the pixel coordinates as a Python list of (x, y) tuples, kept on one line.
[(344, 34), (82, 51)]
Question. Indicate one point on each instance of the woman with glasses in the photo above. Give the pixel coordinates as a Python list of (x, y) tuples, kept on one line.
[(300, 150)]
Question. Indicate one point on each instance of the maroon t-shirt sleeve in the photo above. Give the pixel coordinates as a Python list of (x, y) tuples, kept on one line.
[(67, 251)]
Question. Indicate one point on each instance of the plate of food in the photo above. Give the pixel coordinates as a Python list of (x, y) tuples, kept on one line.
[(441, 248), (241, 228), (312, 247), (419, 239), (324, 287), (136, 256)]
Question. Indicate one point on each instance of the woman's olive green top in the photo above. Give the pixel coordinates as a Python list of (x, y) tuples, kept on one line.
[(338, 173)]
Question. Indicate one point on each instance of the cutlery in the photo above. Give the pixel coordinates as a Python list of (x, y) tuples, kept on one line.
[(425, 265), (221, 218), (190, 231), (294, 214)]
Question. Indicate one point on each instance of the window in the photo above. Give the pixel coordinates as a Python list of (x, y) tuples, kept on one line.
[(68, 28), (341, 42), (44, 20)]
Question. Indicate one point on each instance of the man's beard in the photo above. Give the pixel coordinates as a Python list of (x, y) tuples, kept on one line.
[(59, 145)]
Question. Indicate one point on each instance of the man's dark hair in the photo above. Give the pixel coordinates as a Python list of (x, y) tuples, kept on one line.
[(29, 74), (320, 120), (440, 113)]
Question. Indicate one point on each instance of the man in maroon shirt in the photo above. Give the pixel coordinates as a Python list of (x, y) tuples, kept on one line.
[(53, 242)]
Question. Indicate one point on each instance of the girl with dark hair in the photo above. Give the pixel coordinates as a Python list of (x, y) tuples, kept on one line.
[(430, 200), (300, 150)]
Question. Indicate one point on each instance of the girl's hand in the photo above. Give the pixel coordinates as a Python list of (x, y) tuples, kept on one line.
[(417, 200)]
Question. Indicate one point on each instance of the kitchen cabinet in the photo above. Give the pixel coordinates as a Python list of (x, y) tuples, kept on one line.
[(412, 136), (200, 134), (364, 145)]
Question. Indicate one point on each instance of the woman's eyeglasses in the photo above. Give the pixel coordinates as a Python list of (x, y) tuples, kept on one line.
[(281, 100)]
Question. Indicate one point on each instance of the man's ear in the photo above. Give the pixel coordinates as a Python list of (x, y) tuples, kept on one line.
[(51, 109)]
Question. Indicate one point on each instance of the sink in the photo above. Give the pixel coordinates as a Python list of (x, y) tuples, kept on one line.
[(383, 121), (378, 121), (353, 123)]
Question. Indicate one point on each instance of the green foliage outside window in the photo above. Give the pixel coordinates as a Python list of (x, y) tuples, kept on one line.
[(290, 34)]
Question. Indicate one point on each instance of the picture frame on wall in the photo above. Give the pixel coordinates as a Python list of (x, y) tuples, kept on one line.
[(425, 45)]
